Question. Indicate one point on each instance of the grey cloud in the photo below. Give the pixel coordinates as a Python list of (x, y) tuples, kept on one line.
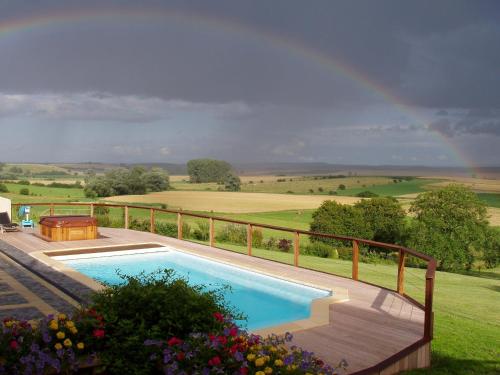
[(474, 122)]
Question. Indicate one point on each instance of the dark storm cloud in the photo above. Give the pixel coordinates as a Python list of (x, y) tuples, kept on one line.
[(474, 122), (427, 53), (260, 80)]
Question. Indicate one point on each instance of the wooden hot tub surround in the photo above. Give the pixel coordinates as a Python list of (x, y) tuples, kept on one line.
[(68, 228)]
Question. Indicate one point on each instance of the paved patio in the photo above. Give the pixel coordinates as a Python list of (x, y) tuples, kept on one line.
[(364, 326)]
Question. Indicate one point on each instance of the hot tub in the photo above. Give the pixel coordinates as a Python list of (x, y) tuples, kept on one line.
[(68, 228)]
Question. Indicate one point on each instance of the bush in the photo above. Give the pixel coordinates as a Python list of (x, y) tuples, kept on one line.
[(284, 245), (232, 233), (450, 224), (103, 221), (341, 187), (166, 229), (24, 182), (3, 188), (270, 244), (367, 194), (232, 182), (140, 225), (101, 210), (24, 191), (202, 233), (386, 218), (257, 237), (322, 250), (335, 218), (153, 306)]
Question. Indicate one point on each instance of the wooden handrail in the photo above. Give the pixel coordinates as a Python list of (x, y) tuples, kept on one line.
[(403, 251)]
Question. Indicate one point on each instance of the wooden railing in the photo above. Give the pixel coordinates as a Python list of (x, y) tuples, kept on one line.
[(356, 242)]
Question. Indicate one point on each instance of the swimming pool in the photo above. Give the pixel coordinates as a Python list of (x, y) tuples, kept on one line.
[(266, 301)]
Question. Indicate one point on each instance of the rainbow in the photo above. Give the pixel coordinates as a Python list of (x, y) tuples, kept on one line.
[(63, 18)]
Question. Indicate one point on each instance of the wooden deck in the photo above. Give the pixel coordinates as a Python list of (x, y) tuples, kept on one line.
[(372, 325)]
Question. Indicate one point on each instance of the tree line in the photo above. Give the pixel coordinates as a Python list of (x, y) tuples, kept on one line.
[(450, 224)]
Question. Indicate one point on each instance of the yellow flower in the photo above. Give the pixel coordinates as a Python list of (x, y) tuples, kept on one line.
[(268, 370), (273, 349), (251, 357), (61, 316), (67, 343), (69, 324), (291, 367), (60, 335), (53, 325), (260, 373), (278, 362), (80, 345), (267, 358), (9, 323), (260, 362), (58, 346), (73, 330)]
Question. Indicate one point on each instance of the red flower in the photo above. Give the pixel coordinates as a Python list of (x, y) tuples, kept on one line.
[(180, 356), (219, 317), (215, 361), (222, 340), (244, 370), (14, 345), (233, 331), (174, 341), (98, 333)]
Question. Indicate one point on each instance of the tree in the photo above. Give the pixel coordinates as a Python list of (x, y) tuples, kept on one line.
[(335, 218), (232, 182), (207, 170), (157, 180), (451, 225), (385, 216), (341, 187)]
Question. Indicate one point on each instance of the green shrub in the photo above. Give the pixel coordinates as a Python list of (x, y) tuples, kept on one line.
[(24, 182), (3, 189), (344, 253), (257, 237), (24, 191), (320, 249), (140, 225), (101, 210), (153, 306), (202, 233), (270, 244), (232, 233), (166, 229), (367, 194), (103, 220)]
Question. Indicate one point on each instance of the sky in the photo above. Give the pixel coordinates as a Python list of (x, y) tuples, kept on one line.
[(343, 82)]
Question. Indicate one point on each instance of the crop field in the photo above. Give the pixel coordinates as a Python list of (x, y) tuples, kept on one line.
[(482, 185), (231, 202), (36, 168), (309, 185), (392, 189)]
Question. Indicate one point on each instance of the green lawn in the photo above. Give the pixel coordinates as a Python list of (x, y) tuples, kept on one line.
[(416, 185), (42, 193), (491, 199)]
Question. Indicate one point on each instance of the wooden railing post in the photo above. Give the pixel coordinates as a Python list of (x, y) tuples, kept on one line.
[(401, 271), (296, 249), (429, 317), (249, 239), (125, 217), (355, 259), (92, 210), (51, 211), (211, 231), (179, 226), (152, 220)]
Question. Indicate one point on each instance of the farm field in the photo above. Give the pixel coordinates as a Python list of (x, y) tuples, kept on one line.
[(42, 193), (414, 186), (230, 202), (476, 184)]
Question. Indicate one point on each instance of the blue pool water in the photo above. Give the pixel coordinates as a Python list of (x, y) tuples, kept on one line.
[(266, 301)]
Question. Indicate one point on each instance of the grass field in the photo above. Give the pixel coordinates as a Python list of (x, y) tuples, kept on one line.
[(35, 168), (477, 184), (490, 199), (42, 194), (230, 202), (391, 189)]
